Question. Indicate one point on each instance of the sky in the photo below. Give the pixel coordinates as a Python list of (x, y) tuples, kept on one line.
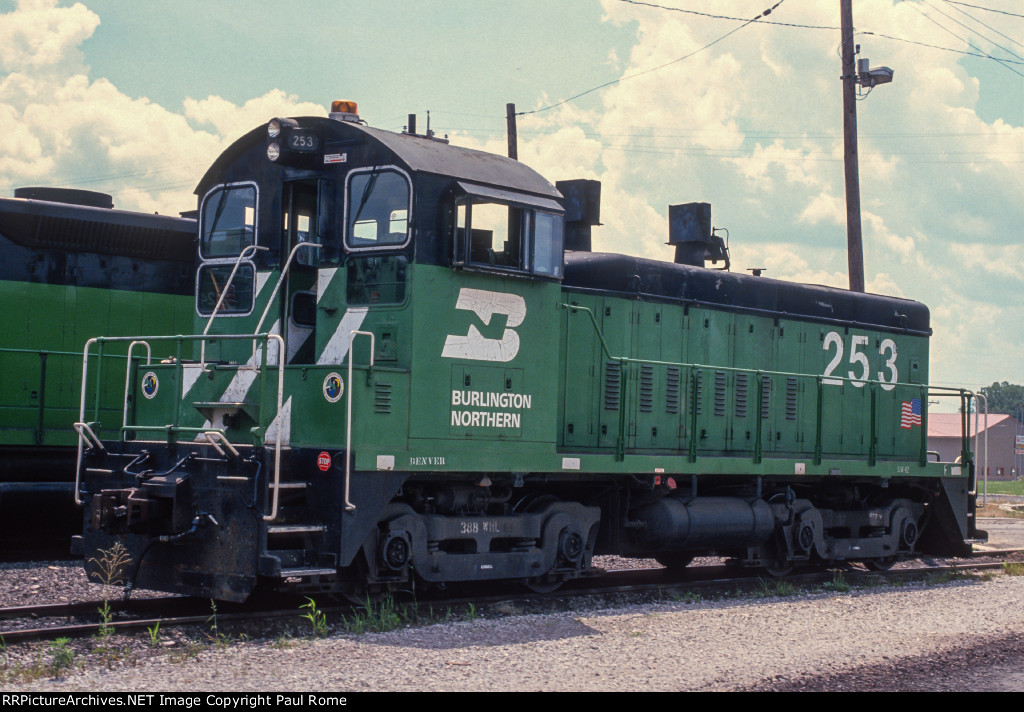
[(137, 100)]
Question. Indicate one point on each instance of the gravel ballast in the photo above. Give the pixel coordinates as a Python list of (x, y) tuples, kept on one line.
[(732, 644), (967, 634)]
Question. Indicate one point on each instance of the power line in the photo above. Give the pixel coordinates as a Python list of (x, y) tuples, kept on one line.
[(971, 29), (987, 9), (675, 132), (1005, 63), (811, 156), (989, 28), (764, 13), (980, 54), (734, 19)]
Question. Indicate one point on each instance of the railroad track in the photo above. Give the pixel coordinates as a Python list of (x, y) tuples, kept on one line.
[(21, 624)]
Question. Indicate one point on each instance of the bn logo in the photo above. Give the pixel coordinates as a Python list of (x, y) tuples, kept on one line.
[(485, 304)]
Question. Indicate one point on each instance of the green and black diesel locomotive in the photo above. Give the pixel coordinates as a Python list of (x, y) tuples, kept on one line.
[(73, 267), (410, 369)]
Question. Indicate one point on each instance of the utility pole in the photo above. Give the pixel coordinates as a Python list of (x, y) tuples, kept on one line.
[(510, 122), (854, 244)]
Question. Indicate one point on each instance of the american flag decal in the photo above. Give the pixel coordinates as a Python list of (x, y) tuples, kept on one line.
[(911, 414)]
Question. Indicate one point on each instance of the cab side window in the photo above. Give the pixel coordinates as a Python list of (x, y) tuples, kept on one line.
[(496, 233), (228, 221), (491, 234), (225, 283)]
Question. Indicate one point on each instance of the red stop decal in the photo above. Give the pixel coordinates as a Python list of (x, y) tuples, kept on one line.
[(323, 461)]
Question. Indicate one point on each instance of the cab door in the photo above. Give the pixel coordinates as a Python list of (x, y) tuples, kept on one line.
[(303, 225)]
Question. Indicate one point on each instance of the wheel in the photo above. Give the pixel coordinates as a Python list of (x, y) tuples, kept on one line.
[(778, 569), (883, 564), (673, 560), (542, 584)]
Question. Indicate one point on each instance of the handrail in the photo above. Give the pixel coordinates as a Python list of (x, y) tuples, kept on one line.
[(81, 418), (984, 469), (245, 254), (693, 368), (86, 433), (277, 440), (128, 375), (349, 507), (277, 287), (212, 436)]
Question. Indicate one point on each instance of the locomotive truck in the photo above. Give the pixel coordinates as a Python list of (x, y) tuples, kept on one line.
[(409, 369)]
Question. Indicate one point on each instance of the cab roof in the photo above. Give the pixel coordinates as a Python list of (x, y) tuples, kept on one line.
[(419, 154)]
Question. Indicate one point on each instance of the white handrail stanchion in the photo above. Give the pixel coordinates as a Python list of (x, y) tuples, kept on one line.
[(349, 507)]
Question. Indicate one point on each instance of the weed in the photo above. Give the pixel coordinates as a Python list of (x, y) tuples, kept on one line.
[(768, 588), (316, 618), (110, 567), (690, 597), (24, 673), (154, 634), (106, 614), (378, 617), (953, 574), (839, 584), (471, 612), (191, 650), (283, 641), (63, 656), (220, 639), (1013, 569)]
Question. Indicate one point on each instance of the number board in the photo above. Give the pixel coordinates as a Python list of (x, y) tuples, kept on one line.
[(304, 141)]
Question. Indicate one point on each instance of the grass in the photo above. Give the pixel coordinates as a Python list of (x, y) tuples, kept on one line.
[(377, 616), (1012, 569), (62, 656), (953, 574), (317, 619), (839, 584), (1003, 487), (992, 510), (767, 588)]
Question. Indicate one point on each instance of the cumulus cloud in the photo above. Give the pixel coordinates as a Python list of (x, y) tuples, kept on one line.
[(38, 35), (754, 126), (63, 127)]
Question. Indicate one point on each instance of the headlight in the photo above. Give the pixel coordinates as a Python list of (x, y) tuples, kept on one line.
[(273, 151), (274, 128)]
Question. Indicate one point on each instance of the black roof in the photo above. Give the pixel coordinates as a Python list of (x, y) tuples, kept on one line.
[(413, 151), (651, 279), (46, 225)]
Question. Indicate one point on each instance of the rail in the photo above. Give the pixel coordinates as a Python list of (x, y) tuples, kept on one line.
[(213, 436), (694, 370)]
